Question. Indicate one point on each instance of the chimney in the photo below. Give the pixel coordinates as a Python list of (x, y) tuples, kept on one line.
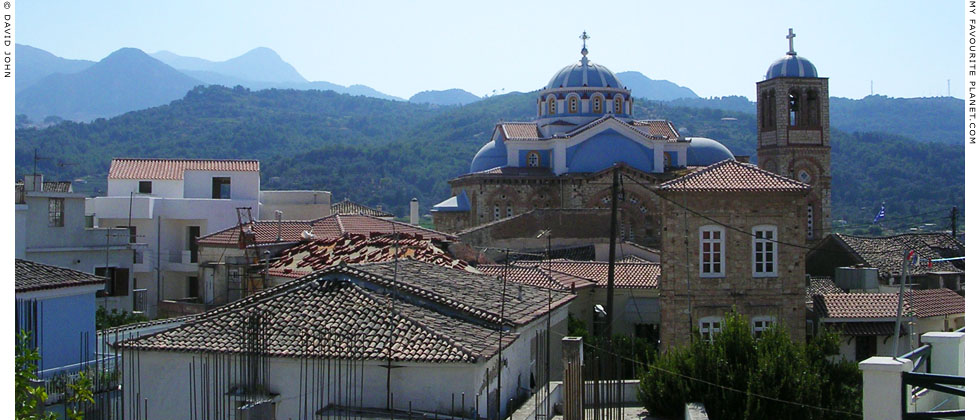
[(33, 182), (413, 209)]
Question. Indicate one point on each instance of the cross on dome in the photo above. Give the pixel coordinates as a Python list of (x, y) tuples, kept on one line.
[(790, 38), (585, 51)]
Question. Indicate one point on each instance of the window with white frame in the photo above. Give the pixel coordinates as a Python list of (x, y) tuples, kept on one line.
[(597, 104), (552, 106), (533, 159), (760, 324), (712, 251), (764, 251), (618, 105), (710, 327), (573, 104)]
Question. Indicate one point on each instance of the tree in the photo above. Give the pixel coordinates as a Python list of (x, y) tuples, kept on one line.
[(80, 395), (28, 398), (738, 376)]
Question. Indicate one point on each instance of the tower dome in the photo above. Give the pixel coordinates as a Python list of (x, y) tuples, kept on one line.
[(791, 65), (704, 151), (584, 74), (491, 155)]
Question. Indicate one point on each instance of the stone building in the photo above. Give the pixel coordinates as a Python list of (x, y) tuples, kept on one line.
[(729, 242)]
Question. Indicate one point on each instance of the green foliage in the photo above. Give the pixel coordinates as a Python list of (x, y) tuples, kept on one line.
[(79, 396), (108, 319), (767, 368), (387, 152), (28, 398), (637, 349)]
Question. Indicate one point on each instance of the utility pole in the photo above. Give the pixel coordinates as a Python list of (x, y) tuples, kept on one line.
[(612, 255), (901, 295), (952, 221)]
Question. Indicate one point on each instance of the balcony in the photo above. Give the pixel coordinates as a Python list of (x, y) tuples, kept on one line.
[(182, 260)]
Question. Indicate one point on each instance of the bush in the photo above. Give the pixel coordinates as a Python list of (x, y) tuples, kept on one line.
[(733, 374), (108, 319)]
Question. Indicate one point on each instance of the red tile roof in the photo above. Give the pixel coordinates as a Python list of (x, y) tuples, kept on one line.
[(349, 207), (308, 257), (534, 276), (731, 176), (886, 253), (173, 169), (520, 131), (921, 303), (328, 227), (628, 275), (936, 302), (661, 128), (864, 328)]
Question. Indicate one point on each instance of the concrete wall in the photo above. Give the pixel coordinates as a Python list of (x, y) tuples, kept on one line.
[(159, 188), (65, 316), (295, 205), (781, 297), (244, 185), (20, 230)]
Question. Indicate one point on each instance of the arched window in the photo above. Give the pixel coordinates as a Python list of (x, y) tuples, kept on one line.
[(573, 104), (552, 105), (812, 108), (496, 212), (764, 252), (772, 109), (710, 326), (510, 210), (618, 105), (794, 108), (533, 159), (597, 104)]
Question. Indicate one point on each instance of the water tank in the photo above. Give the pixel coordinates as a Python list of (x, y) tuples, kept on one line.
[(856, 278)]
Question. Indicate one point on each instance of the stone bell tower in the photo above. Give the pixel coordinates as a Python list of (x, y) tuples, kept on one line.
[(793, 109)]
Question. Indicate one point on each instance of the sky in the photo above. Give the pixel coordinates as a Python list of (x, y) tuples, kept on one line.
[(908, 49)]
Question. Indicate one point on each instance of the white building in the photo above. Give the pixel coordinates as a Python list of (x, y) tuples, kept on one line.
[(404, 335), (169, 203), (51, 229)]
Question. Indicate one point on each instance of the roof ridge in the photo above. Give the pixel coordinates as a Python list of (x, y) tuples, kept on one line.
[(190, 160)]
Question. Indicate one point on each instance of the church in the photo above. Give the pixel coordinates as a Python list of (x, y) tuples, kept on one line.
[(730, 233)]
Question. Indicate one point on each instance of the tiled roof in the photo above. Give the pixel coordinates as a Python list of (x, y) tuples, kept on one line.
[(730, 176), (864, 328), (308, 257), (661, 128), (632, 259), (522, 171), (173, 169), (30, 276), (351, 322), (936, 302), (887, 253), (533, 276), (858, 305), (520, 131), (628, 275), (575, 253), (821, 286), (48, 186), (324, 228), (349, 207)]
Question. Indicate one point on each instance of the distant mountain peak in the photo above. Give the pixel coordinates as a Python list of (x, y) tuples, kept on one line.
[(657, 90)]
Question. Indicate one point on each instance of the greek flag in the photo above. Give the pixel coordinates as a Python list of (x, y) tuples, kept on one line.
[(881, 214)]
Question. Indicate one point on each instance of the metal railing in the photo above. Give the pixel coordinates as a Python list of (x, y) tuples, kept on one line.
[(922, 381)]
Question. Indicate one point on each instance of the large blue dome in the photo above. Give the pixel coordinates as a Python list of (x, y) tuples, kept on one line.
[(584, 74), (491, 155), (791, 65), (704, 151)]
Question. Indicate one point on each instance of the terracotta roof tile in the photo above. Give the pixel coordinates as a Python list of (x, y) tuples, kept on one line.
[(173, 169), (821, 286), (857, 305), (520, 131), (328, 227), (533, 276), (308, 257), (660, 128), (628, 275), (887, 253), (349, 207), (30, 276), (730, 176), (864, 328), (936, 302)]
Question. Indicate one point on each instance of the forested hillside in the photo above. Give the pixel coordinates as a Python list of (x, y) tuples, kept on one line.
[(386, 152)]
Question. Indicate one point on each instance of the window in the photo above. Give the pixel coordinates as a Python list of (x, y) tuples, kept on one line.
[(496, 214), (573, 104), (193, 232), (552, 107), (221, 187), (192, 287), (117, 281), (804, 176), (132, 233), (712, 251), (533, 159), (760, 324), (618, 107), (146, 187), (764, 251), (794, 108), (597, 104), (89, 221), (649, 332), (812, 109), (510, 212), (668, 163), (56, 212), (809, 222), (710, 327)]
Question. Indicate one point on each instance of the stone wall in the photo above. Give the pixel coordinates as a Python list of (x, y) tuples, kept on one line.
[(781, 296)]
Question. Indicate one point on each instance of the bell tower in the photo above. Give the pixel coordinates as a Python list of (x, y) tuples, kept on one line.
[(793, 109)]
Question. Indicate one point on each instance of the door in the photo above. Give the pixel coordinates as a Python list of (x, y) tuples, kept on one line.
[(193, 232), (865, 346)]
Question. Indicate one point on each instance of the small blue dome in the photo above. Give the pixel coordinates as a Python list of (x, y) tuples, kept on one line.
[(491, 155), (593, 75), (791, 65), (704, 151)]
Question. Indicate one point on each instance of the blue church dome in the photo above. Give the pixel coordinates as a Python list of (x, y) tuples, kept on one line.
[(791, 65), (584, 74), (491, 155), (704, 151)]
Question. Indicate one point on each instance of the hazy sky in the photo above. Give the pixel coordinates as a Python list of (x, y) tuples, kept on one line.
[(909, 49)]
